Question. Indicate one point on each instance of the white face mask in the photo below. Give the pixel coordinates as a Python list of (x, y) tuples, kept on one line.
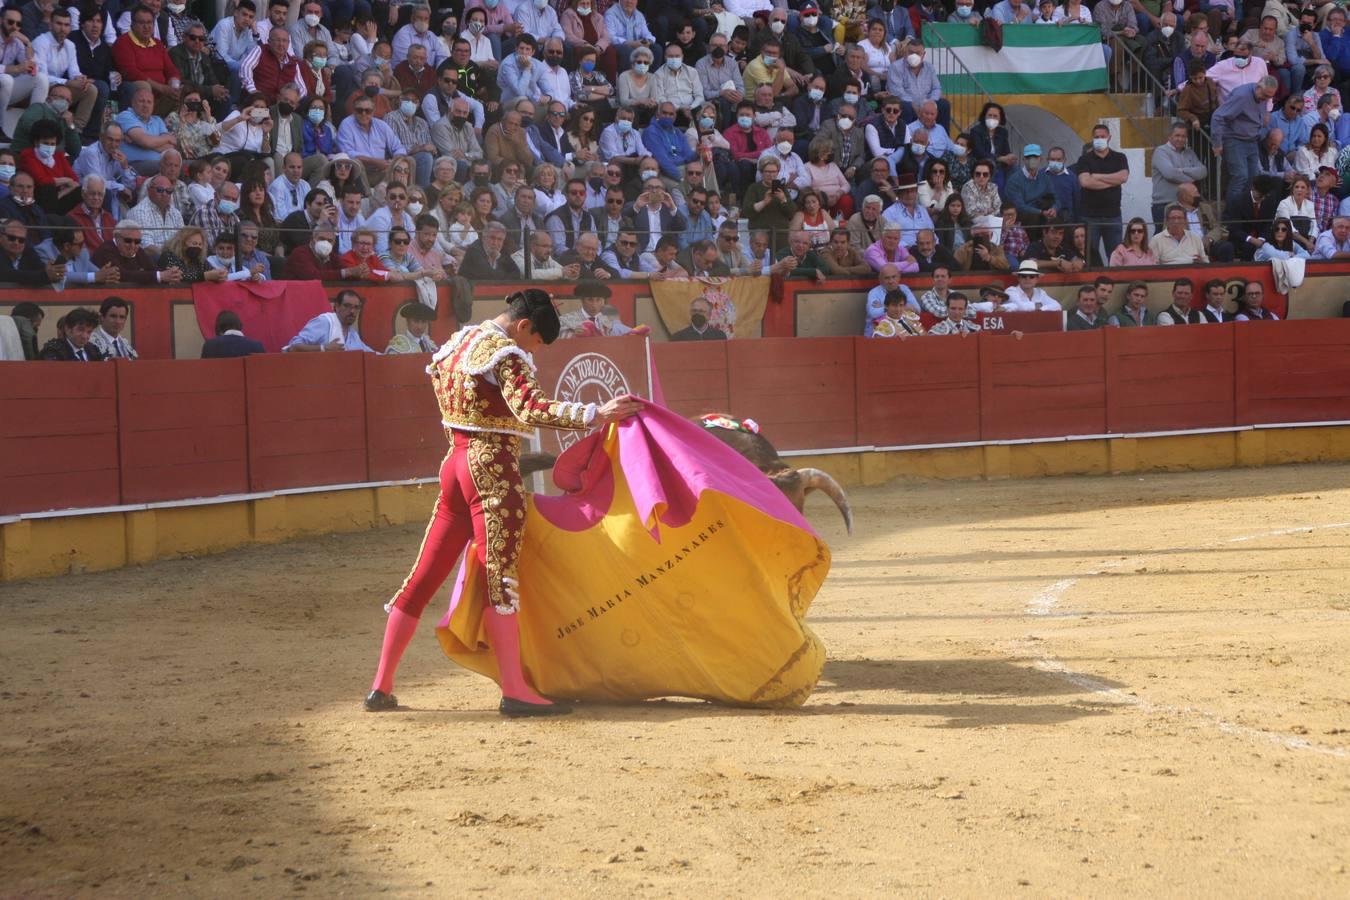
[(991, 124), (1100, 144), (810, 21), (913, 60), (958, 151), (177, 8), (844, 123), (1334, 113), (919, 149), (851, 99), (1167, 31), (965, 11), (415, 208), (583, 11), (1242, 62), (323, 248), (784, 147), (312, 20), (777, 27)]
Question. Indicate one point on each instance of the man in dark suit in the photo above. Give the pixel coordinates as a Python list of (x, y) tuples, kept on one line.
[(486, 258), (298, 226), (655, 214), (20, 204), (230, 341), (1248, 216), (75, 346), (929, 254), (199, 68), (20, 264), (699, 329), (702, 260), (95, 60), (551, 137), (521, 218)]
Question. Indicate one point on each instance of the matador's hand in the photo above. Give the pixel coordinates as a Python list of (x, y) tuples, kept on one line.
[(618, 409)]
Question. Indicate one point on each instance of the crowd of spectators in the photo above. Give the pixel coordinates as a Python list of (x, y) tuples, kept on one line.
[(590, 140)]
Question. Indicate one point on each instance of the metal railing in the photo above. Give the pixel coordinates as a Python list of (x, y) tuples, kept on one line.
[(963, 90), (1126, 75)]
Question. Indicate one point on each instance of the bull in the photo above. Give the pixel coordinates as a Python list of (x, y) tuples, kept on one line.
[(742, 435)]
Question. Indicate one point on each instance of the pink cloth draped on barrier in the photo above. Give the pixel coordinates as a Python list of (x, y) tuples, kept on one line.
[(272, 311)]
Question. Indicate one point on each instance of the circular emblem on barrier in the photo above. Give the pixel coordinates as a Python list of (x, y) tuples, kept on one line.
[(588, 378)]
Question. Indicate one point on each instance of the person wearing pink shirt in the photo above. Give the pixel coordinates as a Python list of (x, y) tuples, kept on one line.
[(890, 250)]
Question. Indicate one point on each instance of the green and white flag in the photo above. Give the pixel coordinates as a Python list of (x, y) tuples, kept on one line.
[(1035, 59)]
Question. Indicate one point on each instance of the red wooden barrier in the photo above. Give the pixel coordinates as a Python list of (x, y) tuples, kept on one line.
[(58, 436), (1295, 371), (918, 391), (693, 376), (306, 419), (803, 391), (183, 429), (1169, 379), (403, 424), (1041, 385)]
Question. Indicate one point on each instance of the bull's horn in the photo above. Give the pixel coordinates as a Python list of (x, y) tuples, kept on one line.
[(816, 480)]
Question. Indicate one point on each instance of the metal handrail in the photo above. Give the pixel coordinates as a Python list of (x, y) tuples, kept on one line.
[(1131, 70), (965, 103)]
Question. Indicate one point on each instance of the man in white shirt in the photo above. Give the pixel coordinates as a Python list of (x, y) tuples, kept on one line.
[(349, 217), (542, 264), (554, 81), (1213, 312), (1026, 296), (288, 192), (791, 170), (54, 53)]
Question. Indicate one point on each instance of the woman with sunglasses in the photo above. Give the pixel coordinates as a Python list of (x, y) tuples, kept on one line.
[(197, 132), (980, 193), (584, 134), (1322, 79), (343, 171), (1298, 208), (1134, 250), (936, 187), (1281, 243)]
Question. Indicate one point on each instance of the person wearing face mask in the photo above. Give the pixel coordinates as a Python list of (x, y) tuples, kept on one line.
[(538, 18), (584, 26), (414, 134), (318, 259), (768, 68), (792, 170), (963, 13), (814, 33), (915, 82), (454, 137), (620, 143), (309, 28), (675, 82), (57, 186), (218, 217), (667, 144), (186, 252), (810, 110), (56, 111), (748, 141), (1064, 184), (1101, 171), (555, 82), (1028, 189), (1239, 69), (699, 329), (1163, 43), (847, 141), (418, 31)]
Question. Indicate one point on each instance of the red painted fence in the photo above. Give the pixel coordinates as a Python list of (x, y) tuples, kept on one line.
[(97, 435)]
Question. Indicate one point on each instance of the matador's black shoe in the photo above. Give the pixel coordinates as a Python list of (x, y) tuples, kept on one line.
[(379, 701), (519, 709)]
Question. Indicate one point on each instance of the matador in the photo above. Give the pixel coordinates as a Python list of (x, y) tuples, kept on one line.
[(485, 384)]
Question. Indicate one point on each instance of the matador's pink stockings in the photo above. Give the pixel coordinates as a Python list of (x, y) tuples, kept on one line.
[(503, 632)]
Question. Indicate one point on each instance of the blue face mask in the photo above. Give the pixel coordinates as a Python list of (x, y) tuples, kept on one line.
[(663, 122), (315, 115), (588, 66), (6, 172), (624, 126), (46, 151), (745, 122), (640, 68), (770, 60), (229, 207), (706, 122)]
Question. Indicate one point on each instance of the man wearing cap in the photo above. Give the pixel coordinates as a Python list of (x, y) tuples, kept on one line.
[(591, 320), (1026, 295), (908, 212), (417, 321), (956, 321), (992, 297), (980, 253), (1029, 189), (816, 43)]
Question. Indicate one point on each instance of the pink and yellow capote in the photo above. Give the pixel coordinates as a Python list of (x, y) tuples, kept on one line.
[(671, 567)]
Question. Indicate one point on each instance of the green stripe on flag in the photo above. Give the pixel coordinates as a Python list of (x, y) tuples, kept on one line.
[(958, 35), (1077, 82)]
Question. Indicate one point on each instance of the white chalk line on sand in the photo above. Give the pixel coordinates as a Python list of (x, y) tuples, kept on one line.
[(1044, 604)]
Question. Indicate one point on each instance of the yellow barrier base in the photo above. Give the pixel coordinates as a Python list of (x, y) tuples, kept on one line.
[(61, 545)]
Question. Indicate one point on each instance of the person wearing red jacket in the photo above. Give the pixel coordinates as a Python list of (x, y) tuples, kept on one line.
[(57, 187), (267, 68), (747, 142), (317, 261), (139, 57)]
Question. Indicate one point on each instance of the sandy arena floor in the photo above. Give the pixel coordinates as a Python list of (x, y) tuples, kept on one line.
[(1070, 687)]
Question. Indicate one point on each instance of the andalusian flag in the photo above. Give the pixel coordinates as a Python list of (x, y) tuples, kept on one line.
[(672, 567), (1035, 59)]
